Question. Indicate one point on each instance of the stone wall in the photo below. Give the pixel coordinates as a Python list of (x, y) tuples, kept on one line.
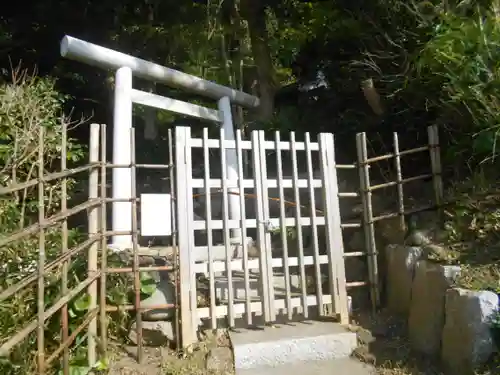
[(444, 322)]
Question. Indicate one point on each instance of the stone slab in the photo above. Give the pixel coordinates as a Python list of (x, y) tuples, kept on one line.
[(401, 262), (467, 341), (291, 343), (427, 309), (347, 366)]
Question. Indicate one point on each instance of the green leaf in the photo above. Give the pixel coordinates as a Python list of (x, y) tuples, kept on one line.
[(77, 370), (148, 284), (82, 303), (484, 143), (101, 365)]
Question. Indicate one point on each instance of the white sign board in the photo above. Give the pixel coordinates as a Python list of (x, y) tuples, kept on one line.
[(156, 215)]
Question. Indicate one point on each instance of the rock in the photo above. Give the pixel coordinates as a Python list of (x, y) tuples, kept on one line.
[(418, 238), (365, 336), (153, 333), (467, 341), (220, 360), (415, 235), (363, 354), (219, 337), (435, 253), (426, 320), (164, 294), (401, 261)]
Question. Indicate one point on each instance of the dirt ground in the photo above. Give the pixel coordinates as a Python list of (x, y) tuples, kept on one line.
[(382, 340), (212, 356)]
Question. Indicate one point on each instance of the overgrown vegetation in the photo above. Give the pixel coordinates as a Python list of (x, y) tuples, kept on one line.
[(28, 106), (431, 62), (472, 224)]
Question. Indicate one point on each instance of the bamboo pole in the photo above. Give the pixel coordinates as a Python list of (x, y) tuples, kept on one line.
[(104, 249), (368, 223), (93, 227), (41, 256), (64, 248), (435, 154), (399, 181), (135, 245), (171, 163)]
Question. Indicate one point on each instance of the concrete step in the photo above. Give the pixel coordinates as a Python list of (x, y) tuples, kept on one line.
[(346, 366), (291, 343)]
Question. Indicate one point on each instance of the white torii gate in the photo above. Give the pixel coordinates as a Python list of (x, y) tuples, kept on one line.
[(126, 66)]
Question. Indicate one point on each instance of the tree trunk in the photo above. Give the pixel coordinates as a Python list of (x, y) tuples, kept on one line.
[(254, 13)]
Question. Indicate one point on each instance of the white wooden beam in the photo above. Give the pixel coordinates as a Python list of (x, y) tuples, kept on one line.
[(105, 58), (173, 105)]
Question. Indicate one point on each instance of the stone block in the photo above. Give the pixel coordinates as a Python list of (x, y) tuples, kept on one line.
[(401, 262), (153, 333), (291, 344), (467, 341), (427, 308), (220, 361), (164, 294)]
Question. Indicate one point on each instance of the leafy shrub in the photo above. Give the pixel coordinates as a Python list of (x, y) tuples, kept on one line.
[(27, 105), (462, 57)]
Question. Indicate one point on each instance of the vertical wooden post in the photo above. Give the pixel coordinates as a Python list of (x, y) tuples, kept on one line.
[(189, 213), (208, 217), (314, 226), (182, 136), (64, 247), (399, 181), (226, 215), (171, 162), (368, 225), (93, 228), (283, 227), (41, 256), (333, 227), (435, 154), (299, 225), (241, 190), (264, 282), (266, 250), (104, 247), (135, 248)]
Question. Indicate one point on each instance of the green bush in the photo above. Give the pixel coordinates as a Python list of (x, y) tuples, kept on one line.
[(433, 62), (28, 105), (462, 58)]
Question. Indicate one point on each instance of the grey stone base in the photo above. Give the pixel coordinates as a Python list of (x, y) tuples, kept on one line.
[(346, 366), (292, 343)]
